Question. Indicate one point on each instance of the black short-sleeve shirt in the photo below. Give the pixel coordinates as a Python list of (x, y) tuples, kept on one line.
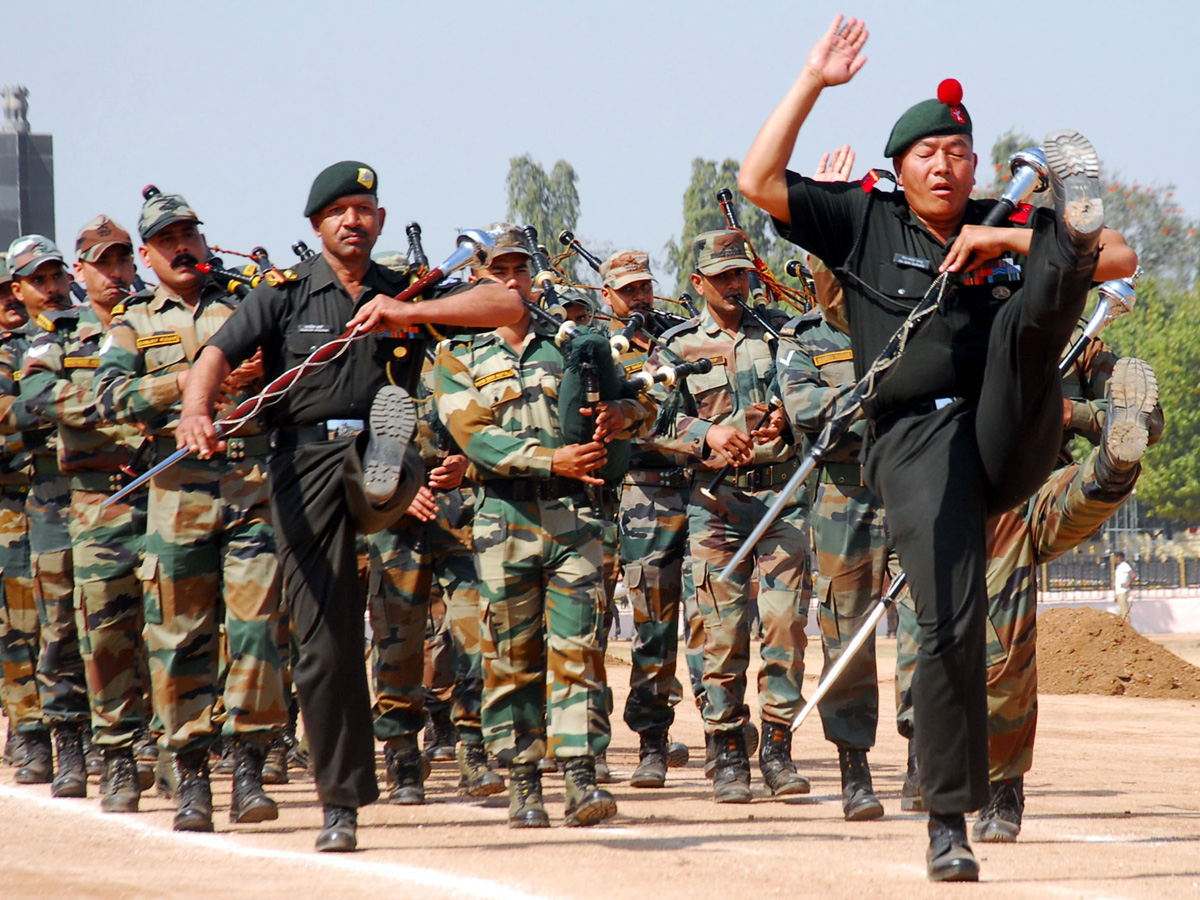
[(896, 261), (291, 320)]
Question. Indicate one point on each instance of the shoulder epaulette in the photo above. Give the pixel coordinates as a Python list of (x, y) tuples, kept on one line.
[(682, 327), (52, 319)]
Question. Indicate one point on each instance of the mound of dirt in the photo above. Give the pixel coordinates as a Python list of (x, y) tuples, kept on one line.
[(1087, 651)]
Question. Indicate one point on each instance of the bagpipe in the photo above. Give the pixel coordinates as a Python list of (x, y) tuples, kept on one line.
[(473, 248), (239, 282)]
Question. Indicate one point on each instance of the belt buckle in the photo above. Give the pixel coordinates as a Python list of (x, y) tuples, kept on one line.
[(235, 448), (340, 428)]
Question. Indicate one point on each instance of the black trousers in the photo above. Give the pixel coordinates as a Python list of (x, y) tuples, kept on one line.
[(326, 601), (941, 475)]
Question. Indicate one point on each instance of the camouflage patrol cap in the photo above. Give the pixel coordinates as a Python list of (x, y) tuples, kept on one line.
[(29, 251), (719, 251), (509, 239), (625, 267), (568, 296), (943, 115), (160, 210), (342, 179), (97, 236), (5, 274)]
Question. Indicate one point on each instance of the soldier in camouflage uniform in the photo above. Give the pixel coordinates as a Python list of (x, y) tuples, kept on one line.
[(42, 283), (56, 384), (209, 534), (853, 557), (653, 545), (538, 546), (19, 627), (726, 420)]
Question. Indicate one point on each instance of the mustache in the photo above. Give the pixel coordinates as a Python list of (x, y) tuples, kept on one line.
[(184, 261)]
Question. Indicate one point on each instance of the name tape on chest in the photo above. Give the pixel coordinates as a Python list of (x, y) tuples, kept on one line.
[(912, 262), (834, 356), (81, 362), (494, 377), (158, 340)]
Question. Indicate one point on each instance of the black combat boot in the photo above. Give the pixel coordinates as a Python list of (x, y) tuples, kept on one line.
[(340, 832), (731, 767), (119, 782), (775, 761), (525, 809), (651, 771), (70, 778), (406, 770), (193, 794), (298, 757), (250, 802), (910, 791), (750, 735), (859, 802), (586, 804), (222, 761), (145, 752), (677, 754), (275, 763), (1000, 821), (38, 767), (949, 857), (93, 756), (439, 736), (476, 779)]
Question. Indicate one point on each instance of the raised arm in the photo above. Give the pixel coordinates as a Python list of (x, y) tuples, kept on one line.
[(835, 59)]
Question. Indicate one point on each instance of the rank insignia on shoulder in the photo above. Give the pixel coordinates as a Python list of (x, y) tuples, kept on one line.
[(44, 322), (119, 309), (833, 356), (158, 340), (494, 377)]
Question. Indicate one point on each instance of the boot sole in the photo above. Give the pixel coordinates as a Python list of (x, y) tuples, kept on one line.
[(958, 870), (995, 831), (1075, 168), (647, 781), (393, 422), (734, 798), (791, 790), (864, 810), (530, 821), (406, 797), (1134, 392), (261, 812), (678, 755), (485, 788), (119, 804), (591, 813)]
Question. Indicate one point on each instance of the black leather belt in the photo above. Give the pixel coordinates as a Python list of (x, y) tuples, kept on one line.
[(523, 490), (759, 478), (289, 437), (46, 465), (673, 478), (841, 473), (236, 447), (98, 482)]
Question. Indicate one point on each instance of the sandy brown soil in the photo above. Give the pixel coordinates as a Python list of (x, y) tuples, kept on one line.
[(1112, 812), (1088, 651)]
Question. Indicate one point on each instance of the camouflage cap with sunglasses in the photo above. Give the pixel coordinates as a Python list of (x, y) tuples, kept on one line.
[(625, 267), (715, 252), (161, 210), (29, 251)]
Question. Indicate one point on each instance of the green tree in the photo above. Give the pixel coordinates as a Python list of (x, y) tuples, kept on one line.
[(548, 202), (702, 212)]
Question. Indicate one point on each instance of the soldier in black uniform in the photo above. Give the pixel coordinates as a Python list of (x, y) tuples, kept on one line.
[(320, 494), (968, 424)]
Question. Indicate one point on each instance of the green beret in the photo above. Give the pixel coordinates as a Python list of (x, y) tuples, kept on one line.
[(941, 116), (340, 180)]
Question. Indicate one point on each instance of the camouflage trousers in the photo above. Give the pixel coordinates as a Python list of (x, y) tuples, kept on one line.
[(439, 656), (456, 585), (19, 625), (716, 528), (209, 537), (853, 560), (542, 600), (107, 550), (398, 608), (653, 544), (61, 679), (1068, 509)]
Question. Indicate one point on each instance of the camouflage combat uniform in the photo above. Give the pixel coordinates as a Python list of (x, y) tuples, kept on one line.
[(736, 392), (539, 552), (209, 534), (853, 559), (107, 541), (19, 631)]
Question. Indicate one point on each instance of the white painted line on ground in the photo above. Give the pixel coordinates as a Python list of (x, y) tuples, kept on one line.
[(347, 863)]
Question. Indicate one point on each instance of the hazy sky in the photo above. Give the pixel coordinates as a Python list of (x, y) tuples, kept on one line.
[(238, 105)]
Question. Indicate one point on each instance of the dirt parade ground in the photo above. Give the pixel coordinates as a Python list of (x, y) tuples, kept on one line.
[(1113, 810)]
